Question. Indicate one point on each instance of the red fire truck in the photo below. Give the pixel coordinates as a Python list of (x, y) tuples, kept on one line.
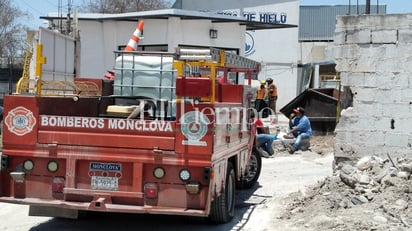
[(170, 134)]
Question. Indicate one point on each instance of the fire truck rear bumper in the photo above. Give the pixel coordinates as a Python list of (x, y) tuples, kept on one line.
[(69, 209)]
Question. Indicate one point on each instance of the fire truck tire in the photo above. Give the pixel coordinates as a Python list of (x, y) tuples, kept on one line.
[(223, 207), (252, 173)]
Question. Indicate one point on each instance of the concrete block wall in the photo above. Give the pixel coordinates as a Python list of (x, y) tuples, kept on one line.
[(373, 53)]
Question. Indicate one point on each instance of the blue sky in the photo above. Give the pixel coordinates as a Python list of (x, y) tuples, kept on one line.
[(37, 8)]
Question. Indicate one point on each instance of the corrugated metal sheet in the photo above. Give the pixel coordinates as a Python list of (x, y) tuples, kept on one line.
[(317, 23)]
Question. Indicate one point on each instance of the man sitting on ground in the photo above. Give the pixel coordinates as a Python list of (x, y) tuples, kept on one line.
[(299, 127), (263, 138)]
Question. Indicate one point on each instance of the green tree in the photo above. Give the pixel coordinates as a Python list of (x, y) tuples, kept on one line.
[(12, 31), (121, 6)]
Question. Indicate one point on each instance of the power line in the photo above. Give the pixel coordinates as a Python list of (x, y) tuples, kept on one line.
[(51, 3), (27, 5), (31, 7)]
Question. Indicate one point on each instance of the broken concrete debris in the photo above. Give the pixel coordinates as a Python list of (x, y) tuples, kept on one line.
[(370, 194)]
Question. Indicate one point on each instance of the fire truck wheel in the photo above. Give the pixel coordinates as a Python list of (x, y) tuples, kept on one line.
[(223, 207), (252, 173)]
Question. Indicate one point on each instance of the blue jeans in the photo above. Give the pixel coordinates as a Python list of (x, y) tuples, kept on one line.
[(266, 140), (299, 139)]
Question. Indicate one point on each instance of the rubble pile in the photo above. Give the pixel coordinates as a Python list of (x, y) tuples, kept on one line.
[(371, 194)]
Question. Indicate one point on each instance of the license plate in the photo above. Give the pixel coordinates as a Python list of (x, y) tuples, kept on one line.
[(105, 183)]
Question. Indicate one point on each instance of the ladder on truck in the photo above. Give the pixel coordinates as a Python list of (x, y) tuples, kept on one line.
[(22, 85), (214, 60), (221, 57)]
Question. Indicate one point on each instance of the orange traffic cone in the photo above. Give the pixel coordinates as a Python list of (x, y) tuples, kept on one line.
[(136, 36)]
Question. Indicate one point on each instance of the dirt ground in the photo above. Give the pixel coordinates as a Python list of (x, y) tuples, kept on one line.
[(368, 194)]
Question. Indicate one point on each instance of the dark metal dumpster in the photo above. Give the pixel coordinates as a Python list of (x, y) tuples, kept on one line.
[(321, 107)]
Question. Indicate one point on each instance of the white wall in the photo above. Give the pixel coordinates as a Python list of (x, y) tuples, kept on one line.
[(59, 53), (373, 54), (312, 52), (98, 40), (196, 33)]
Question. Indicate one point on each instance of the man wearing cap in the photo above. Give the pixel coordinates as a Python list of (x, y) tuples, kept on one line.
[(272, 94), (264, 139), (299, 127)]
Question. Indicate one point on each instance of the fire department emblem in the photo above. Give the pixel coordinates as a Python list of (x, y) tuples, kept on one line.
[(194, 128), (20, 121)]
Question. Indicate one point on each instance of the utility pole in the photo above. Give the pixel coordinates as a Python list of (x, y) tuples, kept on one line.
[(69, 18), (368, 7), (11, 61)]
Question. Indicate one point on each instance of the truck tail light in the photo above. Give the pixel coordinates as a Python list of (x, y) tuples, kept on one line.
[(28, 165), (58, 185), (184, 174), (151, 190), (159, 173), (52, 166)]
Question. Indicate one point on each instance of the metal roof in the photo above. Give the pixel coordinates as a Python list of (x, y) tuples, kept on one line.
[(317, 23), (183, 14)]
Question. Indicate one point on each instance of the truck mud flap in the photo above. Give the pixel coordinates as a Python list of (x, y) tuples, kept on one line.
[(44, 211)]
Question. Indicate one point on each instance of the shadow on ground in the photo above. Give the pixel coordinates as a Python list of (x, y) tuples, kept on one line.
[(245, 203)]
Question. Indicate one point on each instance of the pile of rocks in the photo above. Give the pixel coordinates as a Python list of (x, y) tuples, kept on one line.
[(371, 194), (372, 175)]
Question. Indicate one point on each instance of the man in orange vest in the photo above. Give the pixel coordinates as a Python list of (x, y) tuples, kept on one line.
[(260, 97), (272, 94)]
